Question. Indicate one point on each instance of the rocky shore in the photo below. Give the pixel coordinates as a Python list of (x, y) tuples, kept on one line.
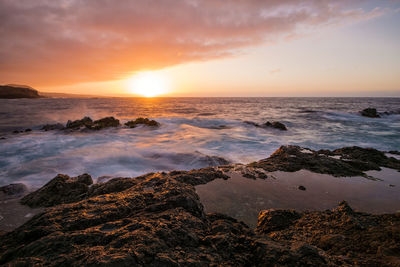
[(158, 220)]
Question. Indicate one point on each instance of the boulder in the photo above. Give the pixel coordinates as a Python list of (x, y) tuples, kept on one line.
[(142, 121), (276, 124), (370, 112), (85, 122), (105, 123), (61, 189)]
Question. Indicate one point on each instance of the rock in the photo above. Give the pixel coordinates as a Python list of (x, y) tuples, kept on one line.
[(394, 152), (276, 125), (61, 189), (144, 121), (197, 177), (86, 122), (112, 186), (18, 91), (51, 127), (275, 220), (105, 123), (13, 191), (347, 161), (353, 237), (28, 130), (157, 220), (302, 188), (370, 112), (131, 227), (344, 207)]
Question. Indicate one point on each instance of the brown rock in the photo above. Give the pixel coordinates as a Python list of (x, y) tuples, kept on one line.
[(354, 161), (274, 220), (86, 122), (105, 123), (142, 121), (61, 189)]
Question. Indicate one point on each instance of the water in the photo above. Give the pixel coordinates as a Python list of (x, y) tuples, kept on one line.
[(191, 129), (244, 198)]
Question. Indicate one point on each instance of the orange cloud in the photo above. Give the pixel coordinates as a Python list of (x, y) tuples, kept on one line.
[(47, 42)]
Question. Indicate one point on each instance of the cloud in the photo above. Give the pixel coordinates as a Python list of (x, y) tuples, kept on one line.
[(69, 41)]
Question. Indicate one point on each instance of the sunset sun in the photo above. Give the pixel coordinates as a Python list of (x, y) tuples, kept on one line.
[(148, 84)]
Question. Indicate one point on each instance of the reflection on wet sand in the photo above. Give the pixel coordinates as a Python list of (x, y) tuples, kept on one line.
[(244, 198)]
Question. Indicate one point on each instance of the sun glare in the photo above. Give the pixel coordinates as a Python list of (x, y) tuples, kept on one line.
[(148, 84)]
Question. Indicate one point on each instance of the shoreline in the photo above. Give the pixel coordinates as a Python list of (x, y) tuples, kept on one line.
[(163, 218)]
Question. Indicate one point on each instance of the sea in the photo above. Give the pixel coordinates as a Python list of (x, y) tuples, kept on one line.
[(193, 133)]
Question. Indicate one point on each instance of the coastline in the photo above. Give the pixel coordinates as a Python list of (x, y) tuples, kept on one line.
[(159, 218)]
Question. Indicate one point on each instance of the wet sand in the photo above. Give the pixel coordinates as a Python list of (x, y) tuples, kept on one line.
[(244, 198)]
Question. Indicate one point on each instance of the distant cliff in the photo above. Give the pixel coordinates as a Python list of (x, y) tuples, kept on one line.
[(18, 91)]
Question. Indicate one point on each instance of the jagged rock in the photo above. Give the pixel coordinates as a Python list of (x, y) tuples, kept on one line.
[(370, 112), (85, 122), (354, 237), (105, 123), (274, 220), (112, 186), (157, 220), (354, 161), (162, 226), (51, 127), (276, 125), (13, 191), (61, 189), (88, 123), (143, 121), (18, 91)]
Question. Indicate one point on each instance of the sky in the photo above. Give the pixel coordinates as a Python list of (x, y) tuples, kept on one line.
[(202, 48)]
